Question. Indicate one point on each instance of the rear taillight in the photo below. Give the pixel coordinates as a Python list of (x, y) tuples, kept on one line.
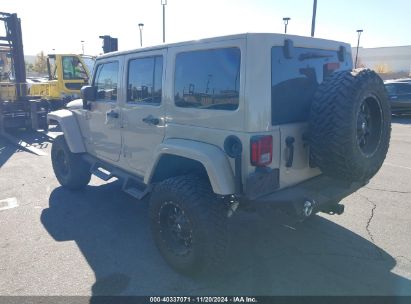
[(332, 66), (261, 150)]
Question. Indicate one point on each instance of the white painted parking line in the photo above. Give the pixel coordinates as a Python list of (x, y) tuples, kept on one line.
[(8, 203), (397, 166)]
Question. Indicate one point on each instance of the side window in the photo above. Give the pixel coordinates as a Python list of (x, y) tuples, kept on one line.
[(404, 89), (208, 79), (73, 68), (53, 67), (391, 89), (144, 80), (106, 81)]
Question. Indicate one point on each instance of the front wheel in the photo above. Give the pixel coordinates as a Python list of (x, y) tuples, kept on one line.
[(70, 169), (189, 224)]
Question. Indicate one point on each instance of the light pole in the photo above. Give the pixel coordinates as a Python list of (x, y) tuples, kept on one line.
[(358, 45), (140, 26), (314, 16), (164, 3), (82, 45), (286, 19)]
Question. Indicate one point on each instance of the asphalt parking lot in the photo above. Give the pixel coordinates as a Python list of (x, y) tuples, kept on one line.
[(97, 241)]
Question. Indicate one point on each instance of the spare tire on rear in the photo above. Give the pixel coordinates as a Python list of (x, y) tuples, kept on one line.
[(350, 125)]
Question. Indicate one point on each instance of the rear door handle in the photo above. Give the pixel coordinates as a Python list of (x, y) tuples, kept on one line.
[(151, 120), (112, 114)]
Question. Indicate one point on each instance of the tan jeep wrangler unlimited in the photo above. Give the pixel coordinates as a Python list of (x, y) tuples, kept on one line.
[(204, 127)]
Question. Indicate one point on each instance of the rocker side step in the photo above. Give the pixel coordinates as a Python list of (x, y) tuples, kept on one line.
[(135, 188), (101, 172), (132, 185)]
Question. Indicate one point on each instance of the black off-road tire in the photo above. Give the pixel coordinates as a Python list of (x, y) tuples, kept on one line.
[(205, 220), (70, 169), (350, 125)]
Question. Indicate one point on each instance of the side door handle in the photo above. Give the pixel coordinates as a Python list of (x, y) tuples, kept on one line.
[(112, 114), (151, 120)]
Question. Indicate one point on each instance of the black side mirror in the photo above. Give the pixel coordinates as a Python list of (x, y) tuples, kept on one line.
[(88, 93)]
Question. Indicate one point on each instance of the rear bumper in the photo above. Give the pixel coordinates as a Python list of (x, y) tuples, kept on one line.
[(322, 190)]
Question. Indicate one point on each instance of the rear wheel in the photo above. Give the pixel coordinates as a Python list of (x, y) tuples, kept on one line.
[(189, 224), (70, 169)]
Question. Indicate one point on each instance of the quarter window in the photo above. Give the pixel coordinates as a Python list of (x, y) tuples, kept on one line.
[(106, 81), (208, 79), (144, 80)]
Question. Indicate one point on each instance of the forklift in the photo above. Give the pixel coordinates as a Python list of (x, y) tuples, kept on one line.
[(18, 109)]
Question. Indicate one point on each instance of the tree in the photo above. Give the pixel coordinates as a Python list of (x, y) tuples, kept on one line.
[(40, 64), (382, 68), (360, 64), (29, 67)]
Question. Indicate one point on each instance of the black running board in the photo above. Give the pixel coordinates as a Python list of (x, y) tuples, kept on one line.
[(102, 173), (132, 185), (135, 188)]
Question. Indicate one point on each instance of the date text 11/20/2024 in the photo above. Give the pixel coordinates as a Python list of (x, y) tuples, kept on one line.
[(203, 300)]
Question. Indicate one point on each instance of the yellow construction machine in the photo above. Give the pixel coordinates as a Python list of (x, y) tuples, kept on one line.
[(67, 73), (24, 103)]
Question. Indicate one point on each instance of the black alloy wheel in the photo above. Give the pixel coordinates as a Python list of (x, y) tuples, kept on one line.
[(176, 229), (369, 126)]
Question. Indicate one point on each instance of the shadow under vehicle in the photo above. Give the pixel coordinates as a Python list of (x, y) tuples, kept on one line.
[(322, 258)]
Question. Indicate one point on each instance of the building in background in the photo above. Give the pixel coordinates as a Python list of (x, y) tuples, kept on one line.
[(389, 62)]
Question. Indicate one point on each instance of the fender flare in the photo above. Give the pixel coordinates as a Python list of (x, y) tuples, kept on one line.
[(214, 160), (69, 125)]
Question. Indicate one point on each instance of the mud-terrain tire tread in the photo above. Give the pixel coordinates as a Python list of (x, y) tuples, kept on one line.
[(208, 216), (333, 121), (78, 175)]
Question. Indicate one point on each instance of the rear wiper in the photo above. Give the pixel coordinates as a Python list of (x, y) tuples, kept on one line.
[(306, 56)]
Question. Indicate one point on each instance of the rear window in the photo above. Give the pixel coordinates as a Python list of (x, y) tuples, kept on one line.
[(208, 79), (294, 81)]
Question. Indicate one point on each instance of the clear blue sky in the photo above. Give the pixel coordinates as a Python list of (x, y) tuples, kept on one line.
[(61, 25)]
